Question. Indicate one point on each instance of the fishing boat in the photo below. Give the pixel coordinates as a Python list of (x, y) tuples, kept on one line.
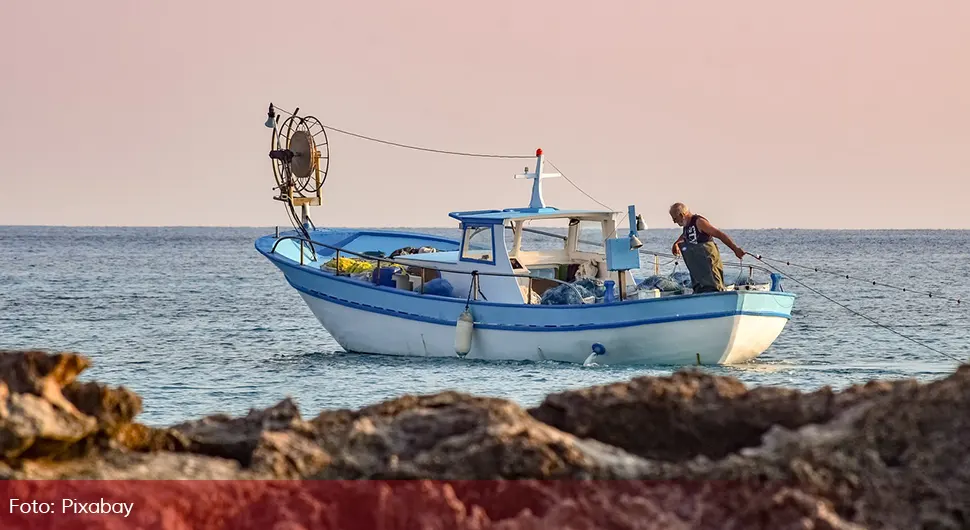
[(488, 295)]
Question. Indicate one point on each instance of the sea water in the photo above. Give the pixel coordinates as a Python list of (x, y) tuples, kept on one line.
[(196, 321)]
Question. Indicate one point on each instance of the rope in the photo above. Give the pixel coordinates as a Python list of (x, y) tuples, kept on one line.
[(459, 153), (578, 188), (471, 289), (463, 153), (849, 277), (737, 280), (618, 223), (849, 309), (428, 149), (417, 148)]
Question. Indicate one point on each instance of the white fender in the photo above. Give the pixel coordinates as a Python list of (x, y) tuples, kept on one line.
[(463, 333)]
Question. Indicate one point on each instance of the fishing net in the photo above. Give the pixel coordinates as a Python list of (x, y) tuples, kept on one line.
[(678, 282), (583, 290), (593, 286), (681, 277), (665, 284), (565, 294), (440, 287)]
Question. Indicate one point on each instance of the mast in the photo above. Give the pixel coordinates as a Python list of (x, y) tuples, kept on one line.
[(537, 202)]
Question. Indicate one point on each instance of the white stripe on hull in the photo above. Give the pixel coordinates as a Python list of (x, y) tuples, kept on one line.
[(722, 340)]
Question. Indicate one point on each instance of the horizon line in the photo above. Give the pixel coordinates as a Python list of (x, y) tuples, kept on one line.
[(411, 228)]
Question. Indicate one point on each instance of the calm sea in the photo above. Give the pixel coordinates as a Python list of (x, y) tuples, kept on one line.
[(197, 322)]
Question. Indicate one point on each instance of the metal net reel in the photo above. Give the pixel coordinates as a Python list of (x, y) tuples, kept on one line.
[(301, 156)]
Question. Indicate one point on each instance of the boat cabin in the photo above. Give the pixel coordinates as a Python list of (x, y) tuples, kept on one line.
[(590, 246), (511, 271)]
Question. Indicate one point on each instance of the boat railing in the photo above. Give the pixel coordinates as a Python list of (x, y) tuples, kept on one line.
[(475, 287), (656, 255), (725, 264)]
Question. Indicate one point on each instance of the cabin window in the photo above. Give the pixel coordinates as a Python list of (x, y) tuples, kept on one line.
[(590, 237), (477, 244)]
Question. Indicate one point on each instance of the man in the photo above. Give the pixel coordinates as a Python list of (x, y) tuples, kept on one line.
[(699, 250)]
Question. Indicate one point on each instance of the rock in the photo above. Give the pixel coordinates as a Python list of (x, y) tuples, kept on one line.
[(362, 504), (33, 371), (112, 407), (41, 374), (32, 427), (45, 412), (138, 437), (691, 450), (899, 460), (456, 436), (274, 439), (119, 465), (692, 413), (287, 455), (683, 505)]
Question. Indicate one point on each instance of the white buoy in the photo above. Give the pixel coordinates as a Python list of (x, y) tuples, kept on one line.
[(463, 333)]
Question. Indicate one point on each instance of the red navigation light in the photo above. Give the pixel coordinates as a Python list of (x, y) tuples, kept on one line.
[(538, 152)]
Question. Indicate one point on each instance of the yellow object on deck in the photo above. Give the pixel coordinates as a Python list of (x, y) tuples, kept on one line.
[(350, 265)]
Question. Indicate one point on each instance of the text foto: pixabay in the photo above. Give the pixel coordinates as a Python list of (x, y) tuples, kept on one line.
[(72, 506)]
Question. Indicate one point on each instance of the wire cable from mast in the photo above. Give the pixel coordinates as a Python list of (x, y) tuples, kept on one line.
[(616, 226), (427, 149), (577, 186), (415, 147), (458, 153), (463, 153), (856, 313)]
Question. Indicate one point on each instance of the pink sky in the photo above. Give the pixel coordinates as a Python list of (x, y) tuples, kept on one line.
[(756, 113)]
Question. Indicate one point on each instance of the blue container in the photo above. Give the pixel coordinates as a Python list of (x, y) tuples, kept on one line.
[(385, 276)]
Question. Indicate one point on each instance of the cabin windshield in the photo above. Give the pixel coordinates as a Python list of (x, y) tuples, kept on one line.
[(477, 244)]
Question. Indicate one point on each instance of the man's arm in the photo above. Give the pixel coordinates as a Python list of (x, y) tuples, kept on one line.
[(704, 226), (675, 250)]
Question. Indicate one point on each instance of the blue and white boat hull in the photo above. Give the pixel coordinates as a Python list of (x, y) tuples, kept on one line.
[(718, 328), (715, 340)]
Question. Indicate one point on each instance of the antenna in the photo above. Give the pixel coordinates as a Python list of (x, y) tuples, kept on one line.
[(537, 201)]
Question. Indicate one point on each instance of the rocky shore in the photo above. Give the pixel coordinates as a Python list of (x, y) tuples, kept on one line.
[(686, 451)]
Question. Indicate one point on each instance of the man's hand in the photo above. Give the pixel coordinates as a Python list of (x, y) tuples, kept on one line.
[(675, 250), (739, 252)]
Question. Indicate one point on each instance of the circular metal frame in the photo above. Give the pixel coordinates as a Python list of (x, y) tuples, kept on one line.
[(306, 144)]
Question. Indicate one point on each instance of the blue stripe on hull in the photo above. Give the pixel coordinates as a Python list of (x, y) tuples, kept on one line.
[(527, 327)]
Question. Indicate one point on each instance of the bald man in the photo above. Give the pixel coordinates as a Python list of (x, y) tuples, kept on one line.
[(700, 253)]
